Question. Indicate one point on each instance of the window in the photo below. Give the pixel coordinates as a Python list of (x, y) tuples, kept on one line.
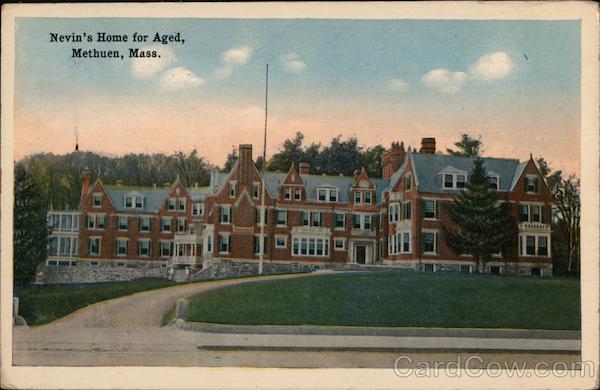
[(225, 216), (407, 182), (66, 221), (171, 204), (461, 181), (144, 224), (122, 223), (255, 190), (407, 210), (448, 181), (224, 243), (368, 197), (532, 213), (52, 246), (310, 246), (357, 197), (494, 182), (322, 195), (531, 184), (311, 218), (165, 224), (399, 243), (536, 271), (198, 209), (95, 222), (280, 241), (298, 194), (232, 189), (317, 218), (542, 246), (121, 246), (429, 242), (530, 245), (257, 245), (340, 220), (495, 270), (181, 224), (305, 218), (94, 246), (144, 248), (257, 218), (362, 221), (129, 202), (287, 193), (429, 209), (281, 217), (97, 201), (165, 248), (139, 202), (465, 269), (406, 242), (181, 204), (333, 195), (65, 246), (339, 244), (394, 212), (429, 267)]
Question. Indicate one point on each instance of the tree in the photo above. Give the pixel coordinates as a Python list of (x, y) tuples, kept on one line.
[(371, 160), (30, 231), (292, 152), (481, 224), (467, 146), (567, 216), (232, 158), (341, 157), (191, 168)]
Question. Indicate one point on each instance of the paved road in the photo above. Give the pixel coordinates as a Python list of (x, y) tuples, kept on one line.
[(145, 309)]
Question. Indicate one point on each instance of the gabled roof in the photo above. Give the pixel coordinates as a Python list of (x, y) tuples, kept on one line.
[(154, 198), (428, 166), (518, 172)]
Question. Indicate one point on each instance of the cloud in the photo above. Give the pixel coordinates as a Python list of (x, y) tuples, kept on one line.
[(224, 72), (237, 56), (492, 66), (179, 78), (292, 63), (444, 80), (398, 85), (148, 67)]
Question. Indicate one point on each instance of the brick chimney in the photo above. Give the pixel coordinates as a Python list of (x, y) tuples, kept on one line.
[(86, 176), (304, 168), (427, 146), (393, 159), (245, 164)]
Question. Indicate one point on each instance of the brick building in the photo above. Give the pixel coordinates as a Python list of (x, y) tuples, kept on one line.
[(312, 219)]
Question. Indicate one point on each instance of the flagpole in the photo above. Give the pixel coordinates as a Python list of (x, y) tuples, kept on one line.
[(263, 218)]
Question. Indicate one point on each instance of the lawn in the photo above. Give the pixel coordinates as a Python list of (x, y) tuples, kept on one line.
[(43, 304), (397, 300)]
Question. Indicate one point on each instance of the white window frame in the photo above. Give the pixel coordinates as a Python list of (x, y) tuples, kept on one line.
[(181, 227), (435, 216), (198, 209), (277, 218), (144, 240), (336, 240), (454, 180), (96, 195), (119, 218), (181, 201), (298, 194), (90, 246), (435, 239), (335, 214), (95, 219), (287, 193), (408, 182), (162, 224), (221, 236), (358, 197), (232, 188), (527, 178), (536, 243), (222, 215), (281, 237), (121, 240), (404, 210), (325, 246), (257, 241), (149, 224), (172, 204), (161, 244), (256, 190)]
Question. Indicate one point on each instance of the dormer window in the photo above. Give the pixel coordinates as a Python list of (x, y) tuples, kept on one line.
[(368, 197), (358, 197), (461, 181), (298, 194), (327, 194), (287, 193), (134, 201), (448, 181), (531, 184), (494, 182), (453, 178)]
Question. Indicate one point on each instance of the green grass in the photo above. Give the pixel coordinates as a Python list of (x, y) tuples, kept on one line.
[(43, 304), (397, 300)]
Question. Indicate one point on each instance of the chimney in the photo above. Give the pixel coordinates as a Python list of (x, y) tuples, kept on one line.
[(87, 180), (245, 164), (304, 168), (393, 159), (427, 146)]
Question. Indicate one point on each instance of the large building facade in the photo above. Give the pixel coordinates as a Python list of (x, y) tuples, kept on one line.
[(312, 219)]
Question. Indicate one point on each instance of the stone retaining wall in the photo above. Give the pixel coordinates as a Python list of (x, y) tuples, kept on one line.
[(232, 269), (95, 274)]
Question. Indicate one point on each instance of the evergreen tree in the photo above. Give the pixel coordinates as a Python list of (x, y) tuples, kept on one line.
[(467, 146), (30, 230), (481, 225)]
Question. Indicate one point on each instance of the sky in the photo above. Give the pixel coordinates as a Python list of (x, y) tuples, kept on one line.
[(515, 83)]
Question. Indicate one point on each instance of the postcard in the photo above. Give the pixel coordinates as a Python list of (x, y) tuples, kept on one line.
[(300, 195)]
